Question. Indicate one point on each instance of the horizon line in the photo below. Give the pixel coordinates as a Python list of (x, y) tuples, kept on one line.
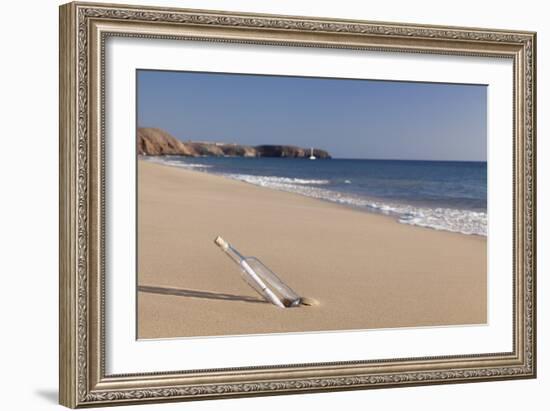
[(407, 159)]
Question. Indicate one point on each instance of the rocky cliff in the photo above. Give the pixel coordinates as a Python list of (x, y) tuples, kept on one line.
[(155, 142), (289, 151)]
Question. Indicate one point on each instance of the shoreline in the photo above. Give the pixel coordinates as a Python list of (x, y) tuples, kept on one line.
[(394, 215), (366, 269)]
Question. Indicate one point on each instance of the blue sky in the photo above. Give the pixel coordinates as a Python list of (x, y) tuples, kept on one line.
[(348, 118)]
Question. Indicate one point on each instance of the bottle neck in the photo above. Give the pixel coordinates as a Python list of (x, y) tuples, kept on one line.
[(234, 254)]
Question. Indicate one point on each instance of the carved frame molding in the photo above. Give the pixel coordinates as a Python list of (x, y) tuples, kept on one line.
[(84, 27)]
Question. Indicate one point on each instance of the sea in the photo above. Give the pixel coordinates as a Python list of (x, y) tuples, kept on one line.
[(442, 195)]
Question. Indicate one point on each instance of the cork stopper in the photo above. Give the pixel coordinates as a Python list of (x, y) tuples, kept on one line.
[(220, 242)]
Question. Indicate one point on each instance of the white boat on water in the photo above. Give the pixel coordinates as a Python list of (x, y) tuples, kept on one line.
[(311, 156)]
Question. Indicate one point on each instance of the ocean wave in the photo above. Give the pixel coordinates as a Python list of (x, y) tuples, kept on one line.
[(461, 221), (176, 163), (439, 218), (447, 219), (274, 182)]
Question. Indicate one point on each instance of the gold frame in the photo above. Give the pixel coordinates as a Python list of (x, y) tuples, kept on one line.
[(84, 27)]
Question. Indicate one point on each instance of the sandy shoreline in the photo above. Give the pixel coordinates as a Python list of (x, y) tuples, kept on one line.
[(366, 270)]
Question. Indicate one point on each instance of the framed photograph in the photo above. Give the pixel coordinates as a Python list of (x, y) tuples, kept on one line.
[(259, 204)]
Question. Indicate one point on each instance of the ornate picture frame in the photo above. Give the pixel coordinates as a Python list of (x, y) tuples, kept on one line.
[(84, 29)]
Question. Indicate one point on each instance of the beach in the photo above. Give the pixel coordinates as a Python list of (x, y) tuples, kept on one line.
[(361, 270)]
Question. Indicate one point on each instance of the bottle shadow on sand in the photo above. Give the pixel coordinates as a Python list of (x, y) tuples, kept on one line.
[(210, 295)]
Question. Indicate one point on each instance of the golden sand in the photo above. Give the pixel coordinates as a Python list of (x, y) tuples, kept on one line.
[(364, 270)]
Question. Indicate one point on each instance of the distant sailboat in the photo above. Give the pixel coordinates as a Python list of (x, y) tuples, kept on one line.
[(311, 156)]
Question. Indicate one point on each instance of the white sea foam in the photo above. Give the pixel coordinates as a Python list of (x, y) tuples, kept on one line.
[(172, 162), (275, 182), (448, 219), (439, 218)]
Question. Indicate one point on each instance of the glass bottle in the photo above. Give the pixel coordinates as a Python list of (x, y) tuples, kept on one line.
[(264, 281)]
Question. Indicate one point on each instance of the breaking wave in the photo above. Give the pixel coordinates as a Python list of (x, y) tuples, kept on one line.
[(439, 218), (465, 221)]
